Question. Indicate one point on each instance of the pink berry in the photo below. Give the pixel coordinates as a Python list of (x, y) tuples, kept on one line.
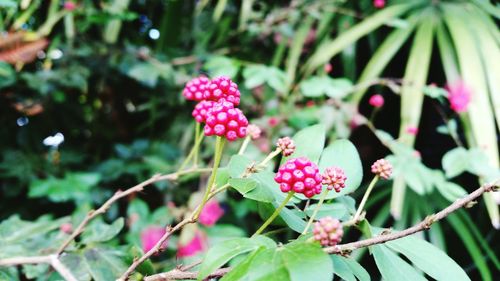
[(328, 67), (286, 145), (328, 231), (379, 4), (223, 88), (299, 175), (376, 101), (193, 247), (273, 121), (382, 168), (224, 120), (201, 109), (254, 131), (334, 178), (196, 88), (412, 130), (211, 213), (69, 6), (66, 228)]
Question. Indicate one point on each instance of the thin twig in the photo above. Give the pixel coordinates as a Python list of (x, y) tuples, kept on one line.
[(177, 274), (53, 260)]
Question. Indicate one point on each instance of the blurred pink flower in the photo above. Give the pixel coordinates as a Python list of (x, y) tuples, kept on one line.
[(376, 100), (273, 121), (196, 245), (379, 4), (412, 130), (459, 96), (211, 213), (69, 6), (328, 67), (150, 236)]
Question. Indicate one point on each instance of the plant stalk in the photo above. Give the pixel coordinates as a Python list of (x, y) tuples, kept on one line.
[(274, 215), (311, 219), (365, 197)]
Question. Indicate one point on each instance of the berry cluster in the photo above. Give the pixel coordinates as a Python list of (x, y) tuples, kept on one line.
[(216, 107), (286, 145), (334, 178), (328, 231), (299, 175), (382, 168), (224, 120)]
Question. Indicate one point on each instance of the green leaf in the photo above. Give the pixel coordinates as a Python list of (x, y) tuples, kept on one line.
[(343, 154), (348, 269), (220, 65), (309, 143), (7, 75), (103, 264), (299, 39), (392, 267), (238, 164), (450, 191), (428, 258), (335, 210), (326, 51), (258, 74), (292, 219), (240, 271), (99, 231), (74, 186), (223, 252), (252, 189), (324, 85), (296, 261), (455, 162)]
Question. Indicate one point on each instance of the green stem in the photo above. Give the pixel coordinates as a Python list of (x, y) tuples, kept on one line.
[(244, 145), (197, 132), (365, 198), (194, 150), (270, 157), (311, 219), (219, 146), (274, 215)]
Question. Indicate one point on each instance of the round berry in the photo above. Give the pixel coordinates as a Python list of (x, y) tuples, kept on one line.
[(376, 101), (196, 88), (382, 168), (328, 231), (334, 178), (286, 145), (299, 175), (222, 88), (254, 131), (201, 109), (224, 120)]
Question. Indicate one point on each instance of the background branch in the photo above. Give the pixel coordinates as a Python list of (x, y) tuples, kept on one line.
[(53, 260)]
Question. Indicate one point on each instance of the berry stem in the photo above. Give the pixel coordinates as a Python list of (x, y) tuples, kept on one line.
[(219, 147), (311, 219), (244, 145), (365, 198), (274, 215), (197, 132), (194, 150), (270, 157)]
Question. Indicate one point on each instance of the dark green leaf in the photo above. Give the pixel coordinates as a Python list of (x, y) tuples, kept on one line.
[(392, 267)]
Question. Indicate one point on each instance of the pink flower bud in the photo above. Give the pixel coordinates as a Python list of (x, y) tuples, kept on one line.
[(150, 236), (382, 168), (196, 245), (376, 101), (459, 96), (328, 231), (286, 145), (211, 213), (254, 131)]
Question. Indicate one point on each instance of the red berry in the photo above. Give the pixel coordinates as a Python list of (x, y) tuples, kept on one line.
[(286, 145), (224, 120), (299, 175), (196, 88), (334, 178), (382, 168), (223, 88), (201, 109), (328, 231), (379, 4), (69, 6)]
